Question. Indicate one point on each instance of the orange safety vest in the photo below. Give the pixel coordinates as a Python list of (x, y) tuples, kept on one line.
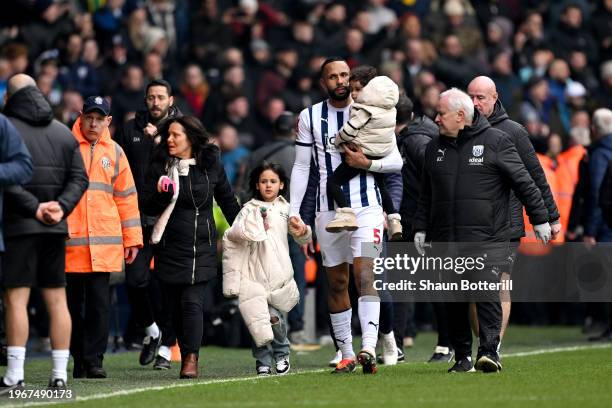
[(562, 181), (107, 219)]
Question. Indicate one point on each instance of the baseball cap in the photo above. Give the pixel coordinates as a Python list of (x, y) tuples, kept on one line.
[(96, 103)]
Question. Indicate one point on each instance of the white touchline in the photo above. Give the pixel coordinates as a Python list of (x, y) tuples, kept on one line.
[(245, 379)]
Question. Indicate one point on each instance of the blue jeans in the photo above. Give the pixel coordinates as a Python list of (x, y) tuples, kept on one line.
[(279, 348)]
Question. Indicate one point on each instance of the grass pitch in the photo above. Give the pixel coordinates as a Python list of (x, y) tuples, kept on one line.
[(543, 367)]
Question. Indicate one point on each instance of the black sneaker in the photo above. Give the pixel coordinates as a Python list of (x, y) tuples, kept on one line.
[(5, 388), (442, 355), (464, 365), (149, 349), (57, 384), (488, 363), (283, 366), (161, 363), (264, 371), (96, 372), (400, 356)]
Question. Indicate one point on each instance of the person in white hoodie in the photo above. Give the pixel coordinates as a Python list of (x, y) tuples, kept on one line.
[(257, 268), (372, 127)]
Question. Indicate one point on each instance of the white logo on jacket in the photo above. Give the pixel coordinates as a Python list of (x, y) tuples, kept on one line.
[(441, 157), (477, 150), (106, 163), (477, 159)]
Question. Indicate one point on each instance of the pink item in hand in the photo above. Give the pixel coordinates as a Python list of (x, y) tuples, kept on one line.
[(165, 182)]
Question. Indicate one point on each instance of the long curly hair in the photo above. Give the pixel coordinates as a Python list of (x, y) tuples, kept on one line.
[(205, 153)]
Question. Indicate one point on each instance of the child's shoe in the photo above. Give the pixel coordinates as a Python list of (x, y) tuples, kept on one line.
[(394, 226), (345, 221)]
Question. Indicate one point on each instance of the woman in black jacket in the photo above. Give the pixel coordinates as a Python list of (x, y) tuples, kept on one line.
[(185, 175)]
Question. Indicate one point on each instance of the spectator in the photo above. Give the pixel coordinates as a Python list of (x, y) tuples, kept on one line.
[(136, 138), (98, 245), (572, 35), (185, 261), (194, 89), (274, 81), (113, 66), (453, 67), (128, 99), (604, 94), (232, 153), (271, 110), (507, 82), (36, 229)]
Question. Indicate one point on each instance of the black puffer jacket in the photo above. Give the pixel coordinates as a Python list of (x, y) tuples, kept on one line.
[(499, 120), (466, 183), (187, 252), (59, 173), (138, 147), (412, 141)]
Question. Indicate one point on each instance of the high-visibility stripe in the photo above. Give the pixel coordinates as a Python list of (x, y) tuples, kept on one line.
[(125, 193), (99, 186), (86, 241), (132, 222), (117, 160)]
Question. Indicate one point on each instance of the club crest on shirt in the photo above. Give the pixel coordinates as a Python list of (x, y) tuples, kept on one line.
[(106, 163), (477, 150)]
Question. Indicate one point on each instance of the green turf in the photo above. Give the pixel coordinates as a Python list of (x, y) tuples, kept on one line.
[(575, 378)]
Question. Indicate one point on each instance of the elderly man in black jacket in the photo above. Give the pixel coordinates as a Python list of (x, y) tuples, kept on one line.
[(136, 137), (36, 227), (484, 95), (467, 176)]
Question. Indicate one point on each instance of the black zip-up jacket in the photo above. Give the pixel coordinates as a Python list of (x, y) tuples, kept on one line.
[(412, 141), (499, 120), (138, 148), (466, 184), (59, 172), (187, 252)]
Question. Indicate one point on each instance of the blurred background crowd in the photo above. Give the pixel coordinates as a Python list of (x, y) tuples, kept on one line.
[(239, 64)]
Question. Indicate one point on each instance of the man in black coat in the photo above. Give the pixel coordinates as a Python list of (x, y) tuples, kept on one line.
[(412, 142), (467, 176), (136, 137), (36, 227), (484, 95)]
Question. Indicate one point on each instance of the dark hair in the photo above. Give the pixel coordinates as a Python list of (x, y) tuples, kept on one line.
[(256, 173), (205, 154), (159, 82), (404, 109), (363, 74), (329, 61)]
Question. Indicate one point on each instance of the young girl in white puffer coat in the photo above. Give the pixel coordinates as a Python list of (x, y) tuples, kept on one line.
[(257, 268)]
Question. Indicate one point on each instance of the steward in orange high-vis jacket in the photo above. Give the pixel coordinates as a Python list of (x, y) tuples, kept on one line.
[(104, 230)]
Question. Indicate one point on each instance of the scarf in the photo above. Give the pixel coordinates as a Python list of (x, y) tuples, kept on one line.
[(175, 169)]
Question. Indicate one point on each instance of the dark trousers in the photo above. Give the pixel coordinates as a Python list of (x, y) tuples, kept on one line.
[(441, 324), (89, 304), (295, 317), (344, 173), (137, 278), (187, 307), (489, 322)]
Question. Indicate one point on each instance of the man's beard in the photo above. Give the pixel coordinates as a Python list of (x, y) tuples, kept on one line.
[(162, 115), (333, 94)]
